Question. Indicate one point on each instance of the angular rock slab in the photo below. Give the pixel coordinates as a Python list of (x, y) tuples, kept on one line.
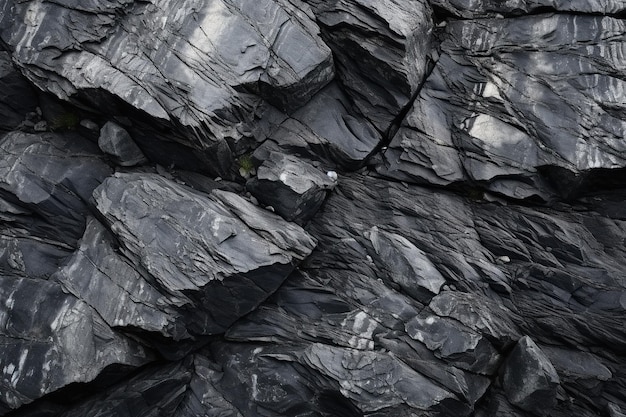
[(46, 181), (102, 277), (115, 141), (529, 379), (214, 257), (328, 129), (293, 187), (381, 48), (185, 60), (50, 339), (514, 104), (379, 383)]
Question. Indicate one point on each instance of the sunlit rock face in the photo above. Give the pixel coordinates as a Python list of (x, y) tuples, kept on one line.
[(202, 64), (504, 106)]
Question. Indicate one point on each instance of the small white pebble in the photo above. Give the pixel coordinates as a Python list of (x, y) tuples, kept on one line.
[(504, 259), (332, 175)]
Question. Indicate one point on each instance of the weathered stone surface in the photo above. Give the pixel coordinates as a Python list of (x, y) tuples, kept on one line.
[(480, 314), (46, 181), (405, 265), (115, 141), (498, 110), (381, 49), (327, 128), (454, 342), (480, 207), (476, 8), (213, 257), (97, 273), (192, 61), (50, 339), (294, 188), (529, 379)]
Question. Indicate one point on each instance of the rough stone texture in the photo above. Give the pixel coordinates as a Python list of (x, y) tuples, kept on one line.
[(294, 188), (326, 128), (46, 181), (478, 147), (213, 258), (192, 61), (50, 339), (529, 379), (476, 8), (502, 107), (115, 141), (381, 49)]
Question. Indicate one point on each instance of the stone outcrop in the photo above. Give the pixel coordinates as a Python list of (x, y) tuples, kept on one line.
[(316, 208)]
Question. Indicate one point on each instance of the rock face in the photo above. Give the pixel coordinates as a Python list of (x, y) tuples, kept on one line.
[(521, 133), (529, 379), (381, 48), (115, 141), (320, 208), (191, 61), (214, 258)]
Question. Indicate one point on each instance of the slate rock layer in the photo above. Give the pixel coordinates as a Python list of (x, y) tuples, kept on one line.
[(312, 208)]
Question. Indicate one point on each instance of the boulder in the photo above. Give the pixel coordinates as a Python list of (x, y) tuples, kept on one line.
[(529, 379), (115, 141), (51, 339), (213, 258), (454, 342), (294, 188)]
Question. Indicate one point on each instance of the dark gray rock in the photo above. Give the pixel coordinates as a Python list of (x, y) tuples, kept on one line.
[(382, 49), (50, 339), (327, 128), (497, 110), (27, 256), (529, 379), (405, 265), (454, 342), (97, 274), (212, 257), (480, 314), (488, 205), (193, 62), (115, 141), (476, 8), (46, 181), (294, 188), (17, 97)]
